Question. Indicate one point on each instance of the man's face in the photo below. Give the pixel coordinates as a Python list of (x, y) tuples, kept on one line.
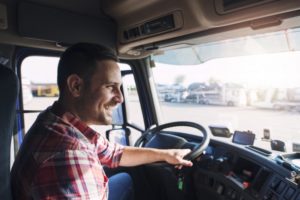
[(102, 94)]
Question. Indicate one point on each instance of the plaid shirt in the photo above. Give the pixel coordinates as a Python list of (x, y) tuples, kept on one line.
[(62, 158)]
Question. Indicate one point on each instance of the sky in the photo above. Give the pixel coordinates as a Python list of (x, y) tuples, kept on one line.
[(36, 68)]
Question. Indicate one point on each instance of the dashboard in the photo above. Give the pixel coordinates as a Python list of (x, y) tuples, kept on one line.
[(228, 171), (242, 173)]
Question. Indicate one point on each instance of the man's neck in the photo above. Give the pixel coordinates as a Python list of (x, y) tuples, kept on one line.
[(62, 106)]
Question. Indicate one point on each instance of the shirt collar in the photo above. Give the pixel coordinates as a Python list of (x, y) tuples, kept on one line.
[(73, 120)]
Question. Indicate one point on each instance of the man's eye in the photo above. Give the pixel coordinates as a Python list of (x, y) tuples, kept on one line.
[(112, 87)]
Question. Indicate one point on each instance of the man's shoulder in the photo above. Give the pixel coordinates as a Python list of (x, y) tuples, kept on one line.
[(53, 137), (48, 136)]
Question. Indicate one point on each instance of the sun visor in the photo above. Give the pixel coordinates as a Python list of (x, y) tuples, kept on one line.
[(52, 24)]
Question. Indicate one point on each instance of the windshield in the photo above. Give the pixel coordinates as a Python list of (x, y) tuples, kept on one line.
[(247, 84)]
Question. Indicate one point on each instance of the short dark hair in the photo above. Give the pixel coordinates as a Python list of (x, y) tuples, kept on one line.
[(81, 59)]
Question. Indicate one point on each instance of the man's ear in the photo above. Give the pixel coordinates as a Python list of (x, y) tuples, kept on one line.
[(75, 85)]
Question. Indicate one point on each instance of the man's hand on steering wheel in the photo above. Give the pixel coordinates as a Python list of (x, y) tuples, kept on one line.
[(157, 138), (176, 157)]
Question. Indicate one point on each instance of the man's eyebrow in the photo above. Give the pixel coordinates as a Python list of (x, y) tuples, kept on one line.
[(114, 83)]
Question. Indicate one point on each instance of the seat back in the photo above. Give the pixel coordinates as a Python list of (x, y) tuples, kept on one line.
[(9, 87)]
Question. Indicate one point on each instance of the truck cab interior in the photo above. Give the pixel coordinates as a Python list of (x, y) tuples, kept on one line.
[(217, 76)]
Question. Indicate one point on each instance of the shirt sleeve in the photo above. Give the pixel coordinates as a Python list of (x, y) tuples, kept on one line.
[(68, 175), (109, 153)]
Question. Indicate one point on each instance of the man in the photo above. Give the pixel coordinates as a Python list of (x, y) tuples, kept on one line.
[(61, 157)]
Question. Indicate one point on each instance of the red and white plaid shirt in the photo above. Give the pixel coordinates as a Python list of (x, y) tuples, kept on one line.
[(62, 158)]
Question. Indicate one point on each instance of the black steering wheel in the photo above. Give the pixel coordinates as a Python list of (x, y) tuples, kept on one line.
[(196, 149)]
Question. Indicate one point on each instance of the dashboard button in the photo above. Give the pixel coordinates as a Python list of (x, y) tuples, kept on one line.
[(275, 183), (229, 192), (220, 189), (289, 193), (280, 187), (241, 198), (233, 195), (274, 197), (270, 196)]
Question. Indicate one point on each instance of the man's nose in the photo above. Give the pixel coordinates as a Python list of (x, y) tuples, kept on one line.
[(119, 96)]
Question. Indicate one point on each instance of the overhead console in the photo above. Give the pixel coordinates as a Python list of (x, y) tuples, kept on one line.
[(163, 24)]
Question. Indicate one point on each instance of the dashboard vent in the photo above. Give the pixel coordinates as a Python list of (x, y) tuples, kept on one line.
[(132, 33), (159, 25), (259, 150)]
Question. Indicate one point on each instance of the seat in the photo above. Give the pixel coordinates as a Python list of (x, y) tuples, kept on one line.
[(9, 87)]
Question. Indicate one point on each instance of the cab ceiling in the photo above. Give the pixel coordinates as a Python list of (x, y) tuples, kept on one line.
[(84, 7), (195, 18), (110, 21)]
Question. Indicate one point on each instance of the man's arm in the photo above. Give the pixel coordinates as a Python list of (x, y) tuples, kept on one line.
[(133, 156)]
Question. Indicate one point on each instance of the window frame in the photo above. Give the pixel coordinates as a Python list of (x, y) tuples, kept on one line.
[(20, 54)]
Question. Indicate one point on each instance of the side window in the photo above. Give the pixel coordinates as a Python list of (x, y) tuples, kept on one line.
[(39, 88), (133, 105)]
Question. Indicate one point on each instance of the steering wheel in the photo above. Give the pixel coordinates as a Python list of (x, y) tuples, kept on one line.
[(196, 149)]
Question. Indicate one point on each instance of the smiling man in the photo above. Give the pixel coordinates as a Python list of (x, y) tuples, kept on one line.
[(61, 156)]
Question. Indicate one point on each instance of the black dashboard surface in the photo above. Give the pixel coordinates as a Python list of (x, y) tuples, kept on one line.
[(238, 172), (229, 171)]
